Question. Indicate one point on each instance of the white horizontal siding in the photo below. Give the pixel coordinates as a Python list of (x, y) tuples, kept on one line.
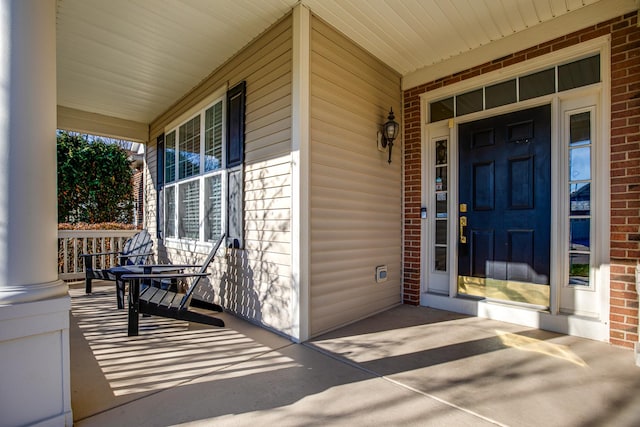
[(356, 211), (255, 282)]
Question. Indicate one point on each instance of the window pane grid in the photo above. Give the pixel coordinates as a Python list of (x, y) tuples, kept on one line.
[(213, 138), (189, 214), (579, 171), (189, 205), (170, 157), (441, 206), (559, 78), (195, 197), (189, 142)]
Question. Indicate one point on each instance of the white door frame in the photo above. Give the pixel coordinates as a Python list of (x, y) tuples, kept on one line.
[(595, 327)]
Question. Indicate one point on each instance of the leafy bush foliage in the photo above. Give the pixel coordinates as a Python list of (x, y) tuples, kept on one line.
[(94, 181)]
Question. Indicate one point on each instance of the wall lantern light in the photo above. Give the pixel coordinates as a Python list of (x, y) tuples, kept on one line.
[(389, 133)]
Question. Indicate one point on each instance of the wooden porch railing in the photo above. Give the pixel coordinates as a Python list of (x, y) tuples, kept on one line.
[(72, 243)]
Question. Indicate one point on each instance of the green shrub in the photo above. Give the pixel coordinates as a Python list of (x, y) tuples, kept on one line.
[(94, 181)]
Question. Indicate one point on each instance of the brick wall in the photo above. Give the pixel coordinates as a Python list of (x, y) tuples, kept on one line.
[(625, 178), (412, 198), (625, 164)]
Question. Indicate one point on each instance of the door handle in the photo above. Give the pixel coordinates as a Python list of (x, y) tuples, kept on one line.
[(463, 224)]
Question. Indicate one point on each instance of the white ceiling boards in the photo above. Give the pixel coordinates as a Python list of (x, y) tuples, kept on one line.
[(132, 59)]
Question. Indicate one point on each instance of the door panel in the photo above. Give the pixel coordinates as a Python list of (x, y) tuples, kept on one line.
[(521, 193), (505, 206), (482, 251), (521, 255), (483, 186)]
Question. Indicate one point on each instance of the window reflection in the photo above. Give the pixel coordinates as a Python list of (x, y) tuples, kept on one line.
[(441, 232), (579, 145), (441, 110), (213, 138), (441, 205), (579, 269), (580, 198), (170, 157), (188, 204), (580, 164), (469, 102), (575, 74), (579, 73), (189, 151), (501, 94), (441, 152), (441, 259), (580, 129), (538, 84), (579, 234)]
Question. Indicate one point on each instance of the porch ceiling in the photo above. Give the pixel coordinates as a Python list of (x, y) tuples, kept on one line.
[(132, 59)]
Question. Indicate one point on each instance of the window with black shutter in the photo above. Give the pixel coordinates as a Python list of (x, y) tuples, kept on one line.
[(200, 167)]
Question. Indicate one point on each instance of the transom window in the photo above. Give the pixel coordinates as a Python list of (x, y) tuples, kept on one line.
[(555, 79)]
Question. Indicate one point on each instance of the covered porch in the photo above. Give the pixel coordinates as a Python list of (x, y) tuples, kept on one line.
[(317, 209), (406, 366)]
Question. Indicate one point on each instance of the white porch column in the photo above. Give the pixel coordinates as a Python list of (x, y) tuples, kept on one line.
[(300, 174), (34, 304)]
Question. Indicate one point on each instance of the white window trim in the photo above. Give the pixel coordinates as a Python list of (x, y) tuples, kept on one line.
[(601, 178), (203, 104), (199, 108), (566, 112), (594, 46)]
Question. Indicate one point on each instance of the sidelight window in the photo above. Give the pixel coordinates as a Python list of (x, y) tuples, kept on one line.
[(580, 179), (441, 204)]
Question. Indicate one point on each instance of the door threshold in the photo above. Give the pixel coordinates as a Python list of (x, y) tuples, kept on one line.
[(585, 327)]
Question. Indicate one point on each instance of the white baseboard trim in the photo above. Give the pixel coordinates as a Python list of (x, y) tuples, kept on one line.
[(65, 419)]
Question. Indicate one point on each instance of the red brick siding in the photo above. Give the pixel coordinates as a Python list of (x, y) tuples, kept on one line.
[(625, 178), (625, 164), (412, 198)]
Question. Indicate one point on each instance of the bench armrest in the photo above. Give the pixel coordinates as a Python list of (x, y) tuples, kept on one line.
[(162, 275), (98, 254), (176, 266), (134, 255)]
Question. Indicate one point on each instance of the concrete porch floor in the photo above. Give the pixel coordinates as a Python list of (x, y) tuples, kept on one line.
[(405, 366)]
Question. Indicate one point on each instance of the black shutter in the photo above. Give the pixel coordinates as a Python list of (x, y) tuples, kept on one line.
[(235, 124), (159, 185)]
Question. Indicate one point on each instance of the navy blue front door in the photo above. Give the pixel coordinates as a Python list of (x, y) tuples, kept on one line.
[(505, 205)]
